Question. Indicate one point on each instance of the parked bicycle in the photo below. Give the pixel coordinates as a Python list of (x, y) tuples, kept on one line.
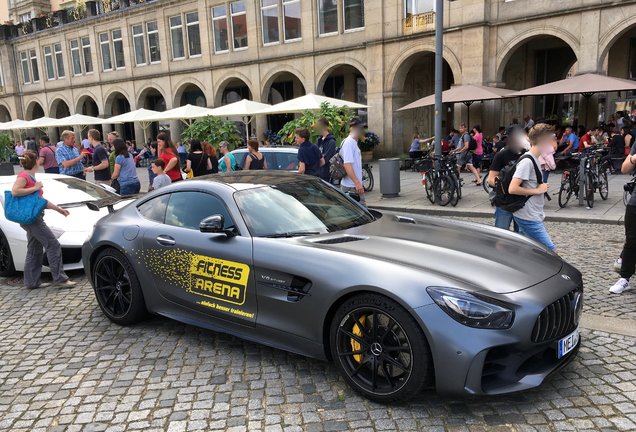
[(628, 189), (595, 178), (368, 181), (443, 186)]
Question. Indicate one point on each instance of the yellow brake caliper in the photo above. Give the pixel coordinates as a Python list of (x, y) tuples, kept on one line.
[(355, 345)]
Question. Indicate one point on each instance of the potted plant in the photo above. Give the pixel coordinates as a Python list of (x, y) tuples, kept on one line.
[(6, 152), (367, 143), (213, 130), (338, 118)]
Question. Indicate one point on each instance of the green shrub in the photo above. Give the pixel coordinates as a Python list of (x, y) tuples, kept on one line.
[(213, 130), (338, 118)]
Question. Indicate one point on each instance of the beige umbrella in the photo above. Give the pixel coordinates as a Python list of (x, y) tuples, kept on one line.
[(79, 120), (585, 85), (14, 125), (309, 102), (245, 109), (142, 116), (185, 113), (41, 123), (466, 94)]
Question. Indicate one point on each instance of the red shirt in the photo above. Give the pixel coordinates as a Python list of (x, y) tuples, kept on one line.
[(585, 139), (175, 173), (30, 181)]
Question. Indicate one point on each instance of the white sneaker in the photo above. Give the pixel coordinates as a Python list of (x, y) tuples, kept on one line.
[(618, 263), (66, 284), (620, 286)]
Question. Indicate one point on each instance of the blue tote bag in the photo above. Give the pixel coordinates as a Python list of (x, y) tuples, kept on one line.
[(24, 209)]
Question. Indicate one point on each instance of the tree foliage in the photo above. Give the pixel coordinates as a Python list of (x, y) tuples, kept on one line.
[(6, 147), (213, 130), (338, 118)]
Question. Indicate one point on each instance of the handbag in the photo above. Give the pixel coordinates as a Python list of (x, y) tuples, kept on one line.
[(23, 209), (115, 185)]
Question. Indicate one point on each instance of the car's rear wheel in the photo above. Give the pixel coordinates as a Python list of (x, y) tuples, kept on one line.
[(379, 349), (117, 288), (7, 267)]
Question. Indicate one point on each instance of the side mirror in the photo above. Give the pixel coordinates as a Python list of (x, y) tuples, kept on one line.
[(215, 225)]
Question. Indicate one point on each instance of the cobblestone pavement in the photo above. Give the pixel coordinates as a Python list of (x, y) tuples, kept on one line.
[(64, 366)]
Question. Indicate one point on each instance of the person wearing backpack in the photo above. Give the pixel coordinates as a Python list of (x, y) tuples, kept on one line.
[(527, 181), (352, 161), (468, 145)]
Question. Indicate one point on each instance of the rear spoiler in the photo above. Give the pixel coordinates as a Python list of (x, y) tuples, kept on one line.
[(110, 205)]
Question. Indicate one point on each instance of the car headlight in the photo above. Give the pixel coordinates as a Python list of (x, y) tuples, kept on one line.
[(473, 310)]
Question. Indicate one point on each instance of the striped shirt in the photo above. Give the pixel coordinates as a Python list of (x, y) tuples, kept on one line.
[(66, 153)]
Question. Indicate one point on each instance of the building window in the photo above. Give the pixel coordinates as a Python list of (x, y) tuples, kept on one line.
[(269, 11), (416, 7), (194, 36), (176, 36), (48, 62), (353, 14), (35, 71), (118, 50), (76, 61), (104, 44), (139, 45), (219, 24), (153, 42), (327, 17), (25, 18), (24, 60), (239, 24), (86, 53), (59, 60), (291, 20)]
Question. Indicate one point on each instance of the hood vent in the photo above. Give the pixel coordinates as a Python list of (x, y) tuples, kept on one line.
[(406, 220), (342, 239)]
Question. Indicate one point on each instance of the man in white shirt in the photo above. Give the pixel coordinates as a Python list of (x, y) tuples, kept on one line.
[(352, 159)]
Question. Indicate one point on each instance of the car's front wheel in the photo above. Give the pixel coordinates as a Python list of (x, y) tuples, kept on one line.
[(379, 349), (7, 267), (117, 288)]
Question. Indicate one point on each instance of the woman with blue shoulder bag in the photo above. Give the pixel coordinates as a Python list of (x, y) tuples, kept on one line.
[(25, 197)]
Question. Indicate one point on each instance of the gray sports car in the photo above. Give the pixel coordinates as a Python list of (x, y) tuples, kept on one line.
[(397, 302)]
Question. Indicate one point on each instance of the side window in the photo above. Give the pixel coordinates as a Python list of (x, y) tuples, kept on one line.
[(188, 209), (287, 161), (155, 209)]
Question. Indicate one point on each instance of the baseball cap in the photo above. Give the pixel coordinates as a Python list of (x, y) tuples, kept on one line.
[(355, 122)]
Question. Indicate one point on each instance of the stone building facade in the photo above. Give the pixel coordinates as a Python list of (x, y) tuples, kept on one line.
[(164, 53)]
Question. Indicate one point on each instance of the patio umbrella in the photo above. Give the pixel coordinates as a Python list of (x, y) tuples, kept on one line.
[(466, 94), (142, 116), (244, 108), (41, 123), (14, 125), (309, 102), (77, 120), (585, 85), (185, 113)]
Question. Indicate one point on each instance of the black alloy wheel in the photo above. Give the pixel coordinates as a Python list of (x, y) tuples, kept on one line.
[(7, 267), (117, 289)]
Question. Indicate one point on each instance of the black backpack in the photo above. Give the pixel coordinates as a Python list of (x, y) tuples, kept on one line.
[(503, 199), (472, 143)]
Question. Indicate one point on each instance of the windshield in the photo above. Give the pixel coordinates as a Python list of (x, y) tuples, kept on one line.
[(65, 191), (298, 207)]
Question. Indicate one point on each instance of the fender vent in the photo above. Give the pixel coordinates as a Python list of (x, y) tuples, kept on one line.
[(337, 240), (406, 220)]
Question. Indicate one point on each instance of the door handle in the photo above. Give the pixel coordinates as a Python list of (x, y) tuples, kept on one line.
[(165, 240)]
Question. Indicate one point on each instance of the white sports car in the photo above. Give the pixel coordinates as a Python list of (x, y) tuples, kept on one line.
[(67, 192)]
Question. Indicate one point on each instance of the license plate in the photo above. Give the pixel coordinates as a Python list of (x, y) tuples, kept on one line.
[(568, 343)]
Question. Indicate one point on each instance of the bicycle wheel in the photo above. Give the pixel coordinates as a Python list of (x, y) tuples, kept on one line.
[(565, 192), (458, 185), (428, 186), (457, 195), (367, 179), (603, 186), (444, 189), (589, 190), (484, 183)]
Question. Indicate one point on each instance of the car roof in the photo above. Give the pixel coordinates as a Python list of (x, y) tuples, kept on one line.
[(39, 177), (277, 149), (243, 180)]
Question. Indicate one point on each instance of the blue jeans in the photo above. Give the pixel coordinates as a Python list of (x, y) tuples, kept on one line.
[(536, 231), (131, 188), (503, 219), (546, 174)]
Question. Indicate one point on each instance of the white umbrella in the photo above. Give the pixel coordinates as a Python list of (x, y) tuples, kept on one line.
[(41, 123), (244, 108), (14, 125), (142, 116), (80, 120), (183, 113), (309, 102)]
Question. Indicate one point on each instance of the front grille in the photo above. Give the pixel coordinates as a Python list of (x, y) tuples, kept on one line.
[(560, 318), (336, 240)]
